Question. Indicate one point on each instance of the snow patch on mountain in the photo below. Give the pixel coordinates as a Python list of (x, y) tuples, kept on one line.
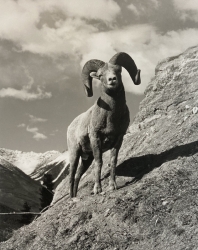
[(27, 161)]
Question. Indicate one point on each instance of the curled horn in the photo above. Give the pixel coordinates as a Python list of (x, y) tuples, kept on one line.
[(124, 60), (90, 66)]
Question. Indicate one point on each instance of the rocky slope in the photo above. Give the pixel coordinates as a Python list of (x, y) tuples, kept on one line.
[(155, 206), (27, 161)]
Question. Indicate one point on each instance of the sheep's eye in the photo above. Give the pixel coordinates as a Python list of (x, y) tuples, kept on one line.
[(100, 75)]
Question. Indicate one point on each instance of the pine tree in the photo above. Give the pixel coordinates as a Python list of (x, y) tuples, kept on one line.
[(26, 218)]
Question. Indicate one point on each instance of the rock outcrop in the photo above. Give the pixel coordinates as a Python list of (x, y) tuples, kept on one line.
[(155, 206)]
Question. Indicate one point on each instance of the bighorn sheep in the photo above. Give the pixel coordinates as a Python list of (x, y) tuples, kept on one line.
[(103, 126)]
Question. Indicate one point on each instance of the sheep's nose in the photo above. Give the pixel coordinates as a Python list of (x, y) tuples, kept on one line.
[(112, 79)]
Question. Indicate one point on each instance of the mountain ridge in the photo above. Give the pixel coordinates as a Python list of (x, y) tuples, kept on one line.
[(27, 161)]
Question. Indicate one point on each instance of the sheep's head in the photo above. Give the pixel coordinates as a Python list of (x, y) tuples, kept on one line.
[(110, 76), (109, 73)]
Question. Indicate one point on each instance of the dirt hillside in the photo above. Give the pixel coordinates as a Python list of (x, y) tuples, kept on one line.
[(155, 206)]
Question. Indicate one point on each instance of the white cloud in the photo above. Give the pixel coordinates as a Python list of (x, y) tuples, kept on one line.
[(145, 45), (142, 42), (22, 125), (71, 33), (36, 135), (155, 2), (105, 10), (19, 22), (186, 5), (54, 132), (134, 9), (143, 8), (68, 38), (32, 130), (35, 119), (188, 9), (24, 93)]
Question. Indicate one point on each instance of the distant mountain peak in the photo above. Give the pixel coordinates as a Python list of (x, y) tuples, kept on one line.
[(27, 161)]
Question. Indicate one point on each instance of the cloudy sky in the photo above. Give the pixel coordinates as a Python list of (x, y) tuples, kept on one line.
[(45, 43)]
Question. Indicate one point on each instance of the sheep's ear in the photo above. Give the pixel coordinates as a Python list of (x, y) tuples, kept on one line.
[(93, 75)]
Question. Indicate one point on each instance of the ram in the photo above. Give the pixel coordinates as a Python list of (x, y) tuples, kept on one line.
[(102, 127)]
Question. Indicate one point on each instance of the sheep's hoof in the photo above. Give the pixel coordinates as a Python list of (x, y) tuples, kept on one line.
[(75, 199), (97, 189), (112, 185)]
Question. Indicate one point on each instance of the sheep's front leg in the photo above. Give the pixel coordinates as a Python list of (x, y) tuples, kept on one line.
[(113, 163), (97, 153)]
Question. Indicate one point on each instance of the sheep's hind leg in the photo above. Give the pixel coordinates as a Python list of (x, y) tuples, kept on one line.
[(74, 159), (81, 170)]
